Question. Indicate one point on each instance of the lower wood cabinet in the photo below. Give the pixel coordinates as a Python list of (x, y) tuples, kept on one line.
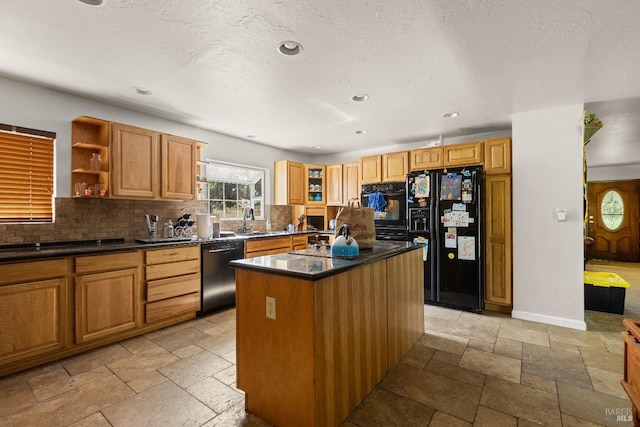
[(34, 309), (172, 282), (107, 295), (260, 247)]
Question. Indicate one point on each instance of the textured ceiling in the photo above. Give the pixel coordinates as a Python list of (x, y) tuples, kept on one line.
[(215, 65)]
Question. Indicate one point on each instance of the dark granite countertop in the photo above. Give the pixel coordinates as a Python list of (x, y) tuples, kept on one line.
[(314, 264), (26, 251)]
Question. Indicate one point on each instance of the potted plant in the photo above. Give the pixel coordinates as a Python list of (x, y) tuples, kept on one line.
[(592, 124)]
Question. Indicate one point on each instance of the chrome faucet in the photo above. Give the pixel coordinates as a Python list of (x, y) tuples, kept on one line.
[(247, 214)]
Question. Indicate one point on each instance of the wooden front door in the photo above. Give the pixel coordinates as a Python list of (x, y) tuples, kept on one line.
[(613, 220)]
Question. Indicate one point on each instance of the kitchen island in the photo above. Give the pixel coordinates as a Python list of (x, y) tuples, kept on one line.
[(315, 334)]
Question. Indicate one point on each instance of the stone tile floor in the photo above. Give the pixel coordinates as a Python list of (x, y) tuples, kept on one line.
[(467, 369)]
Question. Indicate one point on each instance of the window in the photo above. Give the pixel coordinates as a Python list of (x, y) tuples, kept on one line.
[(231, 188), (26, 175), (612, 210)]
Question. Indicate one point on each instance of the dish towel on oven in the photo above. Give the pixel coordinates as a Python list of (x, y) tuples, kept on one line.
[(377, 202)]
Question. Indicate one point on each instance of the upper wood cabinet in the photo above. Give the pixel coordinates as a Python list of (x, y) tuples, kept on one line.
[(426, 158), (463, 154), (350, 182), (370, 168), (288, 180), (314, 184), (142, 169), (335, 189), (135, 162), (89, 138), (395, 166), (497, 156), (178, 159)]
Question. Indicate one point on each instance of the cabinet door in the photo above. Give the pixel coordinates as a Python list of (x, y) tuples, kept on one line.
[(314, 183), (350, 184), (498, 240), (107, 304), (134, 162), (288, 183), (395, 166), (334, 184), (463, 154), (32, 318), (497, 156), (370, 169), (426, 158), (178, 159)]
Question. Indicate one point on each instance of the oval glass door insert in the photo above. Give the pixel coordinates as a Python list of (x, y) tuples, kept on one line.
[(612, 210)]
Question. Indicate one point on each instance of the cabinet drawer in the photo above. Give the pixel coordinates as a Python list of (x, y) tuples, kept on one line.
[(267, 244), (173, 306), (174, 254), (172, 287), (32, 270), (172, 269), (300, 242), (107, 262)]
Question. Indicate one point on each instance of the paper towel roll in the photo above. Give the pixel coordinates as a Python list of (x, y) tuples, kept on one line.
[(203, 223)]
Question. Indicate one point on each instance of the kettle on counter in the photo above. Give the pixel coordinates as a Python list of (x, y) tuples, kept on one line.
[(344, 246)]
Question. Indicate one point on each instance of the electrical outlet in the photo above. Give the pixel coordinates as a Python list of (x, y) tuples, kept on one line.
[(271, 308)]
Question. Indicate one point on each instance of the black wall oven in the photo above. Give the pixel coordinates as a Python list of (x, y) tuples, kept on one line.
[(388, 200)]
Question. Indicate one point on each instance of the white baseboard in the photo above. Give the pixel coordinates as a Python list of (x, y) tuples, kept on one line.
[(550, 320)]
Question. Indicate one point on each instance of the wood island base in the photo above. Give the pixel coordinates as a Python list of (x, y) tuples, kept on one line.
[(332, 340)]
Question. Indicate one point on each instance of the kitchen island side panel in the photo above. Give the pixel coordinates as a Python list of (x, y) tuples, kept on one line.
[(275, 358), (351, 339), (405, 291)]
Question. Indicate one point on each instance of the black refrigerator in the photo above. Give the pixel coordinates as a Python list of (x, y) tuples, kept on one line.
[(444, 210)]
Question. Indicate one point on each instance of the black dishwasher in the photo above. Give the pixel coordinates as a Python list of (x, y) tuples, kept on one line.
[(218, 279)]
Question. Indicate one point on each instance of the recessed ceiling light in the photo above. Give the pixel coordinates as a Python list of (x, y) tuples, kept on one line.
[(141, 90), (315, 147), (450, 115), (361, 132), (360, 97), (251, 136), (290, 48), (92, 2)]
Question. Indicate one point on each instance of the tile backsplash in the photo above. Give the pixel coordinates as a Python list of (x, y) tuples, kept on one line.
[(92, 219)]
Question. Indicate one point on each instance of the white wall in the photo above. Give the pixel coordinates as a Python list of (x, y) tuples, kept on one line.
[(353, 156), (548, 254), (31, 106), (613, 173)]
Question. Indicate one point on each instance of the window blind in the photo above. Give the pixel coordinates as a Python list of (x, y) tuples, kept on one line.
[(26, 178)]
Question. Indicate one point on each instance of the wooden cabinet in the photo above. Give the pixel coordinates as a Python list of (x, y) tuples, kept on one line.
[(395, 166), (370, 168), (334, 185), (350, 182), (149, 165), (463, 154), (497, 156), (172, 282), (498, 277), (107, 295), (178, 162), (342, 183), (89, 138), (426, 158), (135, 162), (314, 184), (34, 309), (288, 180), (299, 241), (384, 167), (269, 246)]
